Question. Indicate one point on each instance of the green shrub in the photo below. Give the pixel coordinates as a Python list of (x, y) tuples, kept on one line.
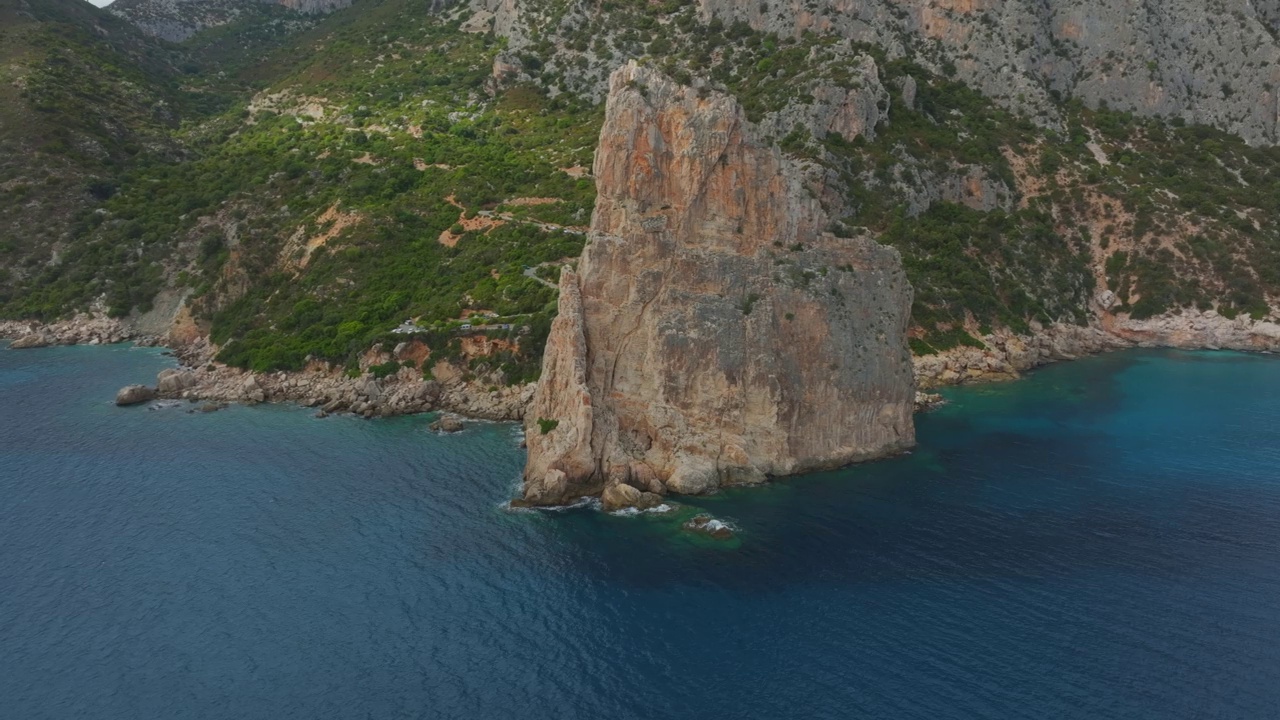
[(385, 369)]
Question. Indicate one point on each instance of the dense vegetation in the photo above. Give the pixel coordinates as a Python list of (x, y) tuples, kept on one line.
[(400, 138), (382, 172), (75, 105), (1197, 210), (85, 100)]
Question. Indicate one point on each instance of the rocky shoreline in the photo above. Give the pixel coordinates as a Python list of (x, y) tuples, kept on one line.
[(330, 390), (1006, 357), (83, 329), (451, 389)]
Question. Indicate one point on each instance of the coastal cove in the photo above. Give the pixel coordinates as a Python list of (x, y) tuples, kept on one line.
[(1096, 540)]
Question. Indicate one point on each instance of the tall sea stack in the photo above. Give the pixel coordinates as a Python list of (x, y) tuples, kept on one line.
[(714, 332)]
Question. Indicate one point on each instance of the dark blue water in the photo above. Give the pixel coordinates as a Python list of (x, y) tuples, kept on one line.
[(1101, 540)]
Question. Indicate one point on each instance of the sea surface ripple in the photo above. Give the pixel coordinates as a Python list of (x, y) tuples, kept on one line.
[(1099, 540)]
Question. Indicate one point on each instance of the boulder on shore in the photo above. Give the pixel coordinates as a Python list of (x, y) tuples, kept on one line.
[(546, 490), (134, 394), (172, 381), (251, 391), (649, 501)]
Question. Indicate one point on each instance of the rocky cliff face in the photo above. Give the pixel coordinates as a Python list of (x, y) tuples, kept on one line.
[(1216, 63), (714, 334)]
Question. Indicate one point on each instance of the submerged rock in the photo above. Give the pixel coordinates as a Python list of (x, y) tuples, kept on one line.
[(619, 496), (926, 401), (165, 405), (714, 333), (134, 394), (706, 525), (648, 501), (447, 424)]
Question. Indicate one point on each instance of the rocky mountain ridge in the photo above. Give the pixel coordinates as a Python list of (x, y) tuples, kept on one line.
[(1215, 63), (924, 143)]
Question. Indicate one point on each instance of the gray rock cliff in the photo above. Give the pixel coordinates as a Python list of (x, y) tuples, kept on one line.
[(1215, 62)]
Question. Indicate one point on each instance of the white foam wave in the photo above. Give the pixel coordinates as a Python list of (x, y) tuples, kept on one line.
[(586, 502), (633, 512), (165, 404)]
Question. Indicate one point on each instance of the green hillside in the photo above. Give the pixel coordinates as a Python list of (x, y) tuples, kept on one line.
[(313, 184)]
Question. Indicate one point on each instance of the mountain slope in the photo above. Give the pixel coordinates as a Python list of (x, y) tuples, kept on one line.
[(1215, 63), (82, 95), (178, 20), (399, 159), (1005, 218), (383, 174)]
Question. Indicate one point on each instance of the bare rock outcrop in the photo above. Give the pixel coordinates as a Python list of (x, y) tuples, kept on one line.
[(849, 112), (315, 6), (1192, 329), (448, 424), (713, 334), (28, 341), (1005, 355)]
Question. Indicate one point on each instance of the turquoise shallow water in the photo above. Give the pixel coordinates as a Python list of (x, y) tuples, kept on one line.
[(1097, 541)]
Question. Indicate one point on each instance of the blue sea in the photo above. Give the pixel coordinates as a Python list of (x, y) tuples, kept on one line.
[(1099, 540)]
